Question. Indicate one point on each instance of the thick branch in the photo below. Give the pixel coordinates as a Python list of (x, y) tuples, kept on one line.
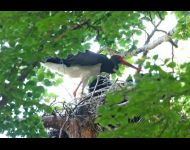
[(74, 127), (53, 121), (152, 45)]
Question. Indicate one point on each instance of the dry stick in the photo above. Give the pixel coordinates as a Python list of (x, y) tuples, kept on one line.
[(113, 84), (92, 93), (67, 114), (68, 92), (60, 132), (52, 103), (98, 78)]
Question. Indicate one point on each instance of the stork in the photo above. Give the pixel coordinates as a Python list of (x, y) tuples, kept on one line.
[(86, 64)]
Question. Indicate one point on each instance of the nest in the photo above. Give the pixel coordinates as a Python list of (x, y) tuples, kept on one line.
[(87, 104), (83, 110)]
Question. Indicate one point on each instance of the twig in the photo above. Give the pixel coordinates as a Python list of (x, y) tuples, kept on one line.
[(153, 44), (60, 132), (171, 41), (146, 32), (148, 40), (161, 31), (160, 16), (151, 20), (174, 43), (52, 102), (113, 83), (152, 33), (98, 78)]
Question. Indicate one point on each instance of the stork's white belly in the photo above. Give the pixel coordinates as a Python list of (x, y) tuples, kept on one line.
[(74, 71)]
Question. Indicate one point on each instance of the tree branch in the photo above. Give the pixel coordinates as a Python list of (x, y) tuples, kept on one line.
[(150, 46), (174, 43), (148, 40), (151, 20), (161, 31), (146, 32), (151, 35), (53, 121)]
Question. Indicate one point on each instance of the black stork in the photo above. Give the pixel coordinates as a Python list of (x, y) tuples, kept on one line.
[(86, 64)]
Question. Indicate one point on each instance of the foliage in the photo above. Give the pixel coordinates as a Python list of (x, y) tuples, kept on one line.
[(160, 98), (28, 38), (183, 26)]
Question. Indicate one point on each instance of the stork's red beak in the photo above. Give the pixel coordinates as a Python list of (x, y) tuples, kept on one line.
[(122, 61)]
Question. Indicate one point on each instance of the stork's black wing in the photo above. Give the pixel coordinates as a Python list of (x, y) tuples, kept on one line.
[(86, 58)]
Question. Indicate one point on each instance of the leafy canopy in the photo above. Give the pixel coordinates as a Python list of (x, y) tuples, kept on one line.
[(27, 38)]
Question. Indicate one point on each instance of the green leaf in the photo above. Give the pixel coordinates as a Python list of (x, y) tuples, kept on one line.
[(138, 32), (30, 84), (47, 82), (172, 65), (40, 74), (166, 60), (129, 78), (38, 91), (58, 81), (159, 96), (155, 57), (148, 65)]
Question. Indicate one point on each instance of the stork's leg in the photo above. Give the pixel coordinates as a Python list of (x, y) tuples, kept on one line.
[(75, 91), (84, 84)]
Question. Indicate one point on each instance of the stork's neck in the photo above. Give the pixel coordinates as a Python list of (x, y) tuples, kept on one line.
[(107, 66)]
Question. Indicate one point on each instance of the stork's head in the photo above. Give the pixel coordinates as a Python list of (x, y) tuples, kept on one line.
[(117, 59)]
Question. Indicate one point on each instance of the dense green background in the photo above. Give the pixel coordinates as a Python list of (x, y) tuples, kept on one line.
[(161, 98)]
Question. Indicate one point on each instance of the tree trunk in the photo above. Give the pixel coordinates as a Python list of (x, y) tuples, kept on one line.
[(74, 127)]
